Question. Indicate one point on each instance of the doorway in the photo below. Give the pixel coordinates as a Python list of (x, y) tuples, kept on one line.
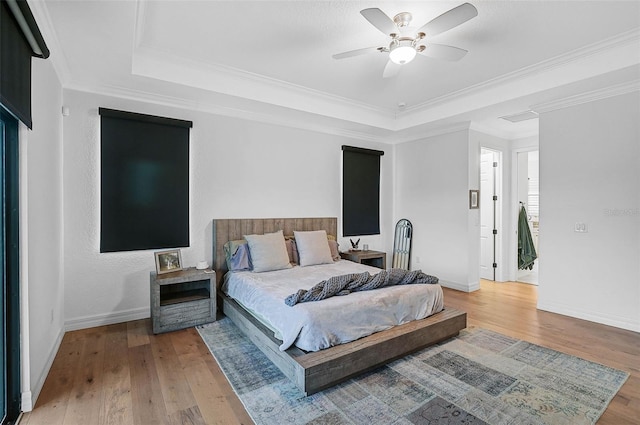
[(490, 217), (528, 195)]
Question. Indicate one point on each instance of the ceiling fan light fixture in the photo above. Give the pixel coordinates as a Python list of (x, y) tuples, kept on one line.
[(402, 53), (406, 41)]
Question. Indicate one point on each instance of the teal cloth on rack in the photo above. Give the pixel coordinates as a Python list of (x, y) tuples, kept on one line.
[(526, 250)]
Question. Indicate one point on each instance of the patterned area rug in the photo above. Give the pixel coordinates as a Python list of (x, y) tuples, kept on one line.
[(476, 378)]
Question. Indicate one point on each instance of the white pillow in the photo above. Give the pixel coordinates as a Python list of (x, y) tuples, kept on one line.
[(313, 247), (268, 252)]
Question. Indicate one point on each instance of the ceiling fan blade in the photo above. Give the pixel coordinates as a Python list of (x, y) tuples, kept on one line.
[(391, 69), (451, 19), (356, 52), (441, 51), (380, 20)]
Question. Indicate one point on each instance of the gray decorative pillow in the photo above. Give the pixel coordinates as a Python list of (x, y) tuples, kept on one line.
[(313, 247), (268, 252)]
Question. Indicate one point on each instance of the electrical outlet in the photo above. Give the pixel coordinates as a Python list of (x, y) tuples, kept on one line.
[(417, 260)]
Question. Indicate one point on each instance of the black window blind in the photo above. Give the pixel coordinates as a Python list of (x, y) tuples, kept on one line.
[(20, 39), (144, 201), (360, 191)]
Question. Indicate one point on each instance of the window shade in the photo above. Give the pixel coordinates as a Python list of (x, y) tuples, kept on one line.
[(144, 201), (20, 39), (360, 191)]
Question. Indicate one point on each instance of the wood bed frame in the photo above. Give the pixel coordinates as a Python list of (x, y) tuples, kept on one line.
[(315, 371)]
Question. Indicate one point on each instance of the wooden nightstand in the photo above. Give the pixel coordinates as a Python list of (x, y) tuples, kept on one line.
[(182, 299), (370, 258)]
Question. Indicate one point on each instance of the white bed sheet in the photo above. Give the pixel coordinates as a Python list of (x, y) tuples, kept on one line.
[(315, 325)]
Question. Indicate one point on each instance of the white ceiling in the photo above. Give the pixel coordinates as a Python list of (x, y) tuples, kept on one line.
[(271, 60)]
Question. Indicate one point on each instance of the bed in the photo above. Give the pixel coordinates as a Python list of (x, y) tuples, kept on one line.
[(313, 370)]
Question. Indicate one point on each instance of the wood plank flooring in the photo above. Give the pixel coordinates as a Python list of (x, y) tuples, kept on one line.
[(123, 374)]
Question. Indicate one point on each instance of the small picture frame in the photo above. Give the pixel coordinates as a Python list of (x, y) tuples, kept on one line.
[(168, 261), (474, 199)]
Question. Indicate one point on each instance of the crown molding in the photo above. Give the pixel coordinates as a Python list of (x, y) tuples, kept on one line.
[(621, 40), (217, 109), (283, 120), (598, 59), (153, 63), (590, 96)]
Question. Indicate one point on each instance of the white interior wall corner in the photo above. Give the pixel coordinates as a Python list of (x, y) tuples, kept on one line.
[(589, 156), (41, 214)]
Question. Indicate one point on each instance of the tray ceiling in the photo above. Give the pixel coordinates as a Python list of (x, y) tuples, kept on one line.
[(273, 59)]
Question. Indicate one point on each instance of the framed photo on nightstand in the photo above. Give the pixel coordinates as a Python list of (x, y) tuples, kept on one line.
[(168, 261)]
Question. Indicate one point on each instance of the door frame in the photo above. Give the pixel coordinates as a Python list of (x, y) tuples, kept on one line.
[(515, 210), (499, 275)]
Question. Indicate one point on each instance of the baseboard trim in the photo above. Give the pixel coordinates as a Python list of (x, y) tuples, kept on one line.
[(29, 398), (471, 287), (603, 319), (26, 402), (106, 319)]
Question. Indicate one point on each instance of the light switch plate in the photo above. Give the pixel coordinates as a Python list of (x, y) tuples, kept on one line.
[(581, 228)]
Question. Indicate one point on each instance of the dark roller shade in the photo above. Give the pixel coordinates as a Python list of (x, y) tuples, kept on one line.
[(20, 39), (144, 202), (360, 191)]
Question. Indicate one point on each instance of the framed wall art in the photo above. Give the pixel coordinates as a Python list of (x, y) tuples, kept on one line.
[(474, 199)]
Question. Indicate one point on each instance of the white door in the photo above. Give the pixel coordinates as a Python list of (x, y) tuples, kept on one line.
[(487, 214)]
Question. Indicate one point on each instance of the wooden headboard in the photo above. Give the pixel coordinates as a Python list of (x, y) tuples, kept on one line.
[(225, 230)]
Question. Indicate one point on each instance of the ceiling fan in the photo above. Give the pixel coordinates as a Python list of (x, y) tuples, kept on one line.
[(407, 42)]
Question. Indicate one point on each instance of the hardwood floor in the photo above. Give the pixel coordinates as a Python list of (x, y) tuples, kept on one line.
[(123, 374)]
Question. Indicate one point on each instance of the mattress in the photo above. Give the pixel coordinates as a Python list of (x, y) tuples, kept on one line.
[(316, 325)]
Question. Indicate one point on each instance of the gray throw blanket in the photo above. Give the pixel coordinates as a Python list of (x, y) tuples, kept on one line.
[(354, 282)]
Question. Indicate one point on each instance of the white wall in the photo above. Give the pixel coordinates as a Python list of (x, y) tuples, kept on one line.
[(590, 173), (525, 144), (239, 168), (432, 185), (41, 211)]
